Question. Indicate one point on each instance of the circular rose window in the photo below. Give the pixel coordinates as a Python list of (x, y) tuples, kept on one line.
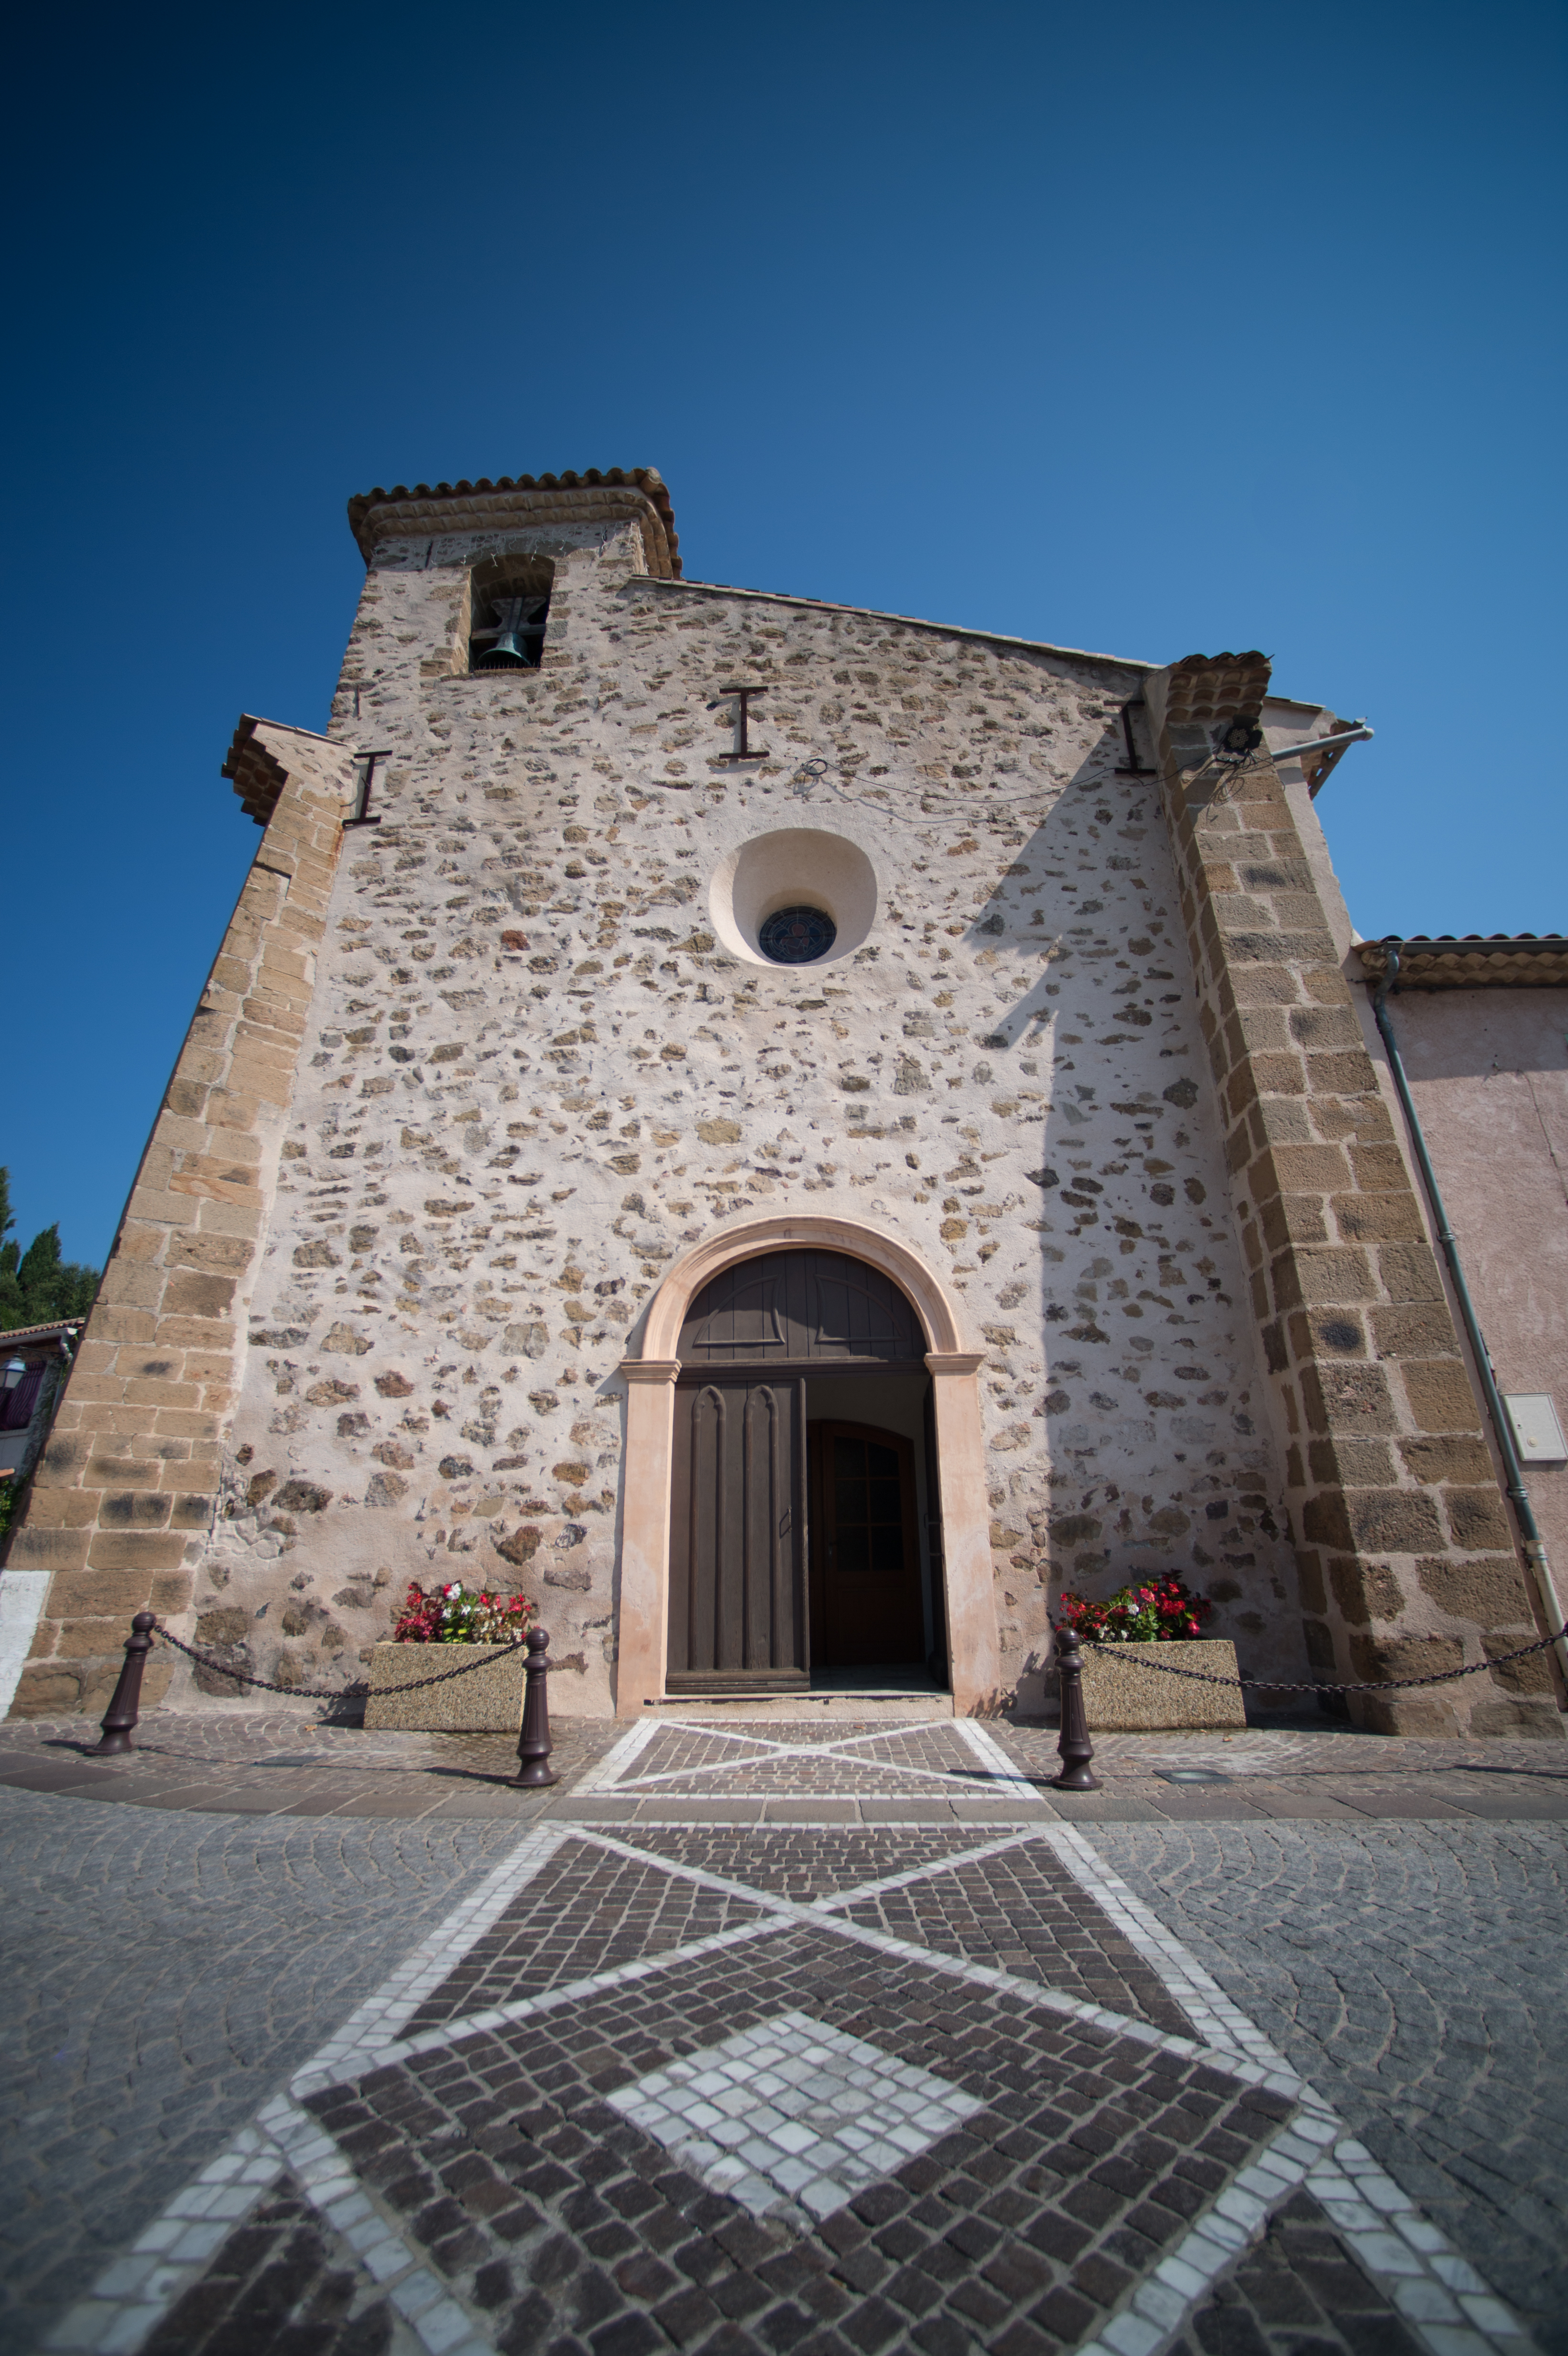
[(797, 936), (794, 897)]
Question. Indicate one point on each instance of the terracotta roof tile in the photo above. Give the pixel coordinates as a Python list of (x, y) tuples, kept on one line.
[(1470, 961), (41, 1333), (422, 503), (1205, 688)]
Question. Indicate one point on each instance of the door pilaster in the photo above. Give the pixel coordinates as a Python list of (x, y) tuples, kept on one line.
[(643, 1616)]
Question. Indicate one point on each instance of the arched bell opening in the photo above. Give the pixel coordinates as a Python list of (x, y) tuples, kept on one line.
[(508, 611), (804, 1545)]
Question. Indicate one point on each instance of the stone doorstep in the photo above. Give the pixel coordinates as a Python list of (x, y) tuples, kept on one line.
[(874, 1702), (489, 1699)]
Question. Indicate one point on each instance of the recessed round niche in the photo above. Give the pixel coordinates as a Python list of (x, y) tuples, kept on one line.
[(798, 897)]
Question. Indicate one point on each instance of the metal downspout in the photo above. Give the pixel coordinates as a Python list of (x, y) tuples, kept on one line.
[(1518, 1495)]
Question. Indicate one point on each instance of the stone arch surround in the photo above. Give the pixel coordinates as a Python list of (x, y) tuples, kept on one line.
[(644, 1593)]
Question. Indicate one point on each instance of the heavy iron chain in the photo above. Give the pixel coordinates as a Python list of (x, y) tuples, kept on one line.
[(1371, 1684), (1139, 1661), (324, 1693)]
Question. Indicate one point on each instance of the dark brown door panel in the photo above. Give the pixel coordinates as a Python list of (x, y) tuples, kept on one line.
[(737, 1545)]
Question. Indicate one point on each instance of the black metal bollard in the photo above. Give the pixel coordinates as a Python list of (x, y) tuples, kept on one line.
[(533, 1742), (1074, 1746), (123, 1710)]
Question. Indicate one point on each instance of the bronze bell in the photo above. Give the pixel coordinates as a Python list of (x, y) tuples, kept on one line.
[(520, 636)]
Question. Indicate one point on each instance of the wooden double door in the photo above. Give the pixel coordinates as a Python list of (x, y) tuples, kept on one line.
[(791, 1542)]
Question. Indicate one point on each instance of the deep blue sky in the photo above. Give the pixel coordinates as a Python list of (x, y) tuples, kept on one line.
[(1152, 329)]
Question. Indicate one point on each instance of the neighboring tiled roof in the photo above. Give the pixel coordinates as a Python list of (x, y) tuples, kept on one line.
[(441, 505), (1471, 961), (41, 1333)]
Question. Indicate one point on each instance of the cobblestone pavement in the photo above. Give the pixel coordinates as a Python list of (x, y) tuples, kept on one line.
[(1416, 1977), (284, 2273), (163, 1974), (791, 1761), (789, 2037), (1295, 2291), (286, 1764), (1013, 1905), (1334, 1777)]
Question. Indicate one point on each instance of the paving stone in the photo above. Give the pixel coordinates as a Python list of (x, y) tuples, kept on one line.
[(787, 1759), (290, 1759), (220, 1761), (1296, 2293), (165, 1971), (1294, 1772), (283, 2279), (507, 2166), (586, 1912), (793, 2118), (585, 2066), (801, 1864), (1415, 1975), (1023, 1913)]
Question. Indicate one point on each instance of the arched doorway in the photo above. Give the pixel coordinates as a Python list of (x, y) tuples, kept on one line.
[(958, 1516), (797, 1541)]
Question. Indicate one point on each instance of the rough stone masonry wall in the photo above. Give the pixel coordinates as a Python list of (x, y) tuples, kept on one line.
[(123, 1498), (1404, 1553), (531, 1078)]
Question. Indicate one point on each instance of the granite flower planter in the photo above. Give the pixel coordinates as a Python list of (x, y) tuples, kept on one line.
[(489, 1700), (1120, 1697)]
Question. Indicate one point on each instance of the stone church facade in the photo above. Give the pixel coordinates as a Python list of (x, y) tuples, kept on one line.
[(599, 1147)]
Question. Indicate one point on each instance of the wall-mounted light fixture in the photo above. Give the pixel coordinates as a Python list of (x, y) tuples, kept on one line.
[(1237, 739), (15, 1369)]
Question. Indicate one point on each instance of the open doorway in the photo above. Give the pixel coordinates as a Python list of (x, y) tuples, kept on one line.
[(803, 1513), (734, 1316), (873, 1528)]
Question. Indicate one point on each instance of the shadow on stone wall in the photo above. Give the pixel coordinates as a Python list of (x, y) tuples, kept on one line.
[(1160, 1457)]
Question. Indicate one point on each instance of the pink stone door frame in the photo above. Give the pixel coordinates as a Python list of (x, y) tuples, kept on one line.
[(975, 1661)]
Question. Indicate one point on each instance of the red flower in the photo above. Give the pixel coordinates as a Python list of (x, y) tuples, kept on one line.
[(1164, 1608)]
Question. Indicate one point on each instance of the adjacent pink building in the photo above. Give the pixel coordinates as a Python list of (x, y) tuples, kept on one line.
[(1481, 1028)]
